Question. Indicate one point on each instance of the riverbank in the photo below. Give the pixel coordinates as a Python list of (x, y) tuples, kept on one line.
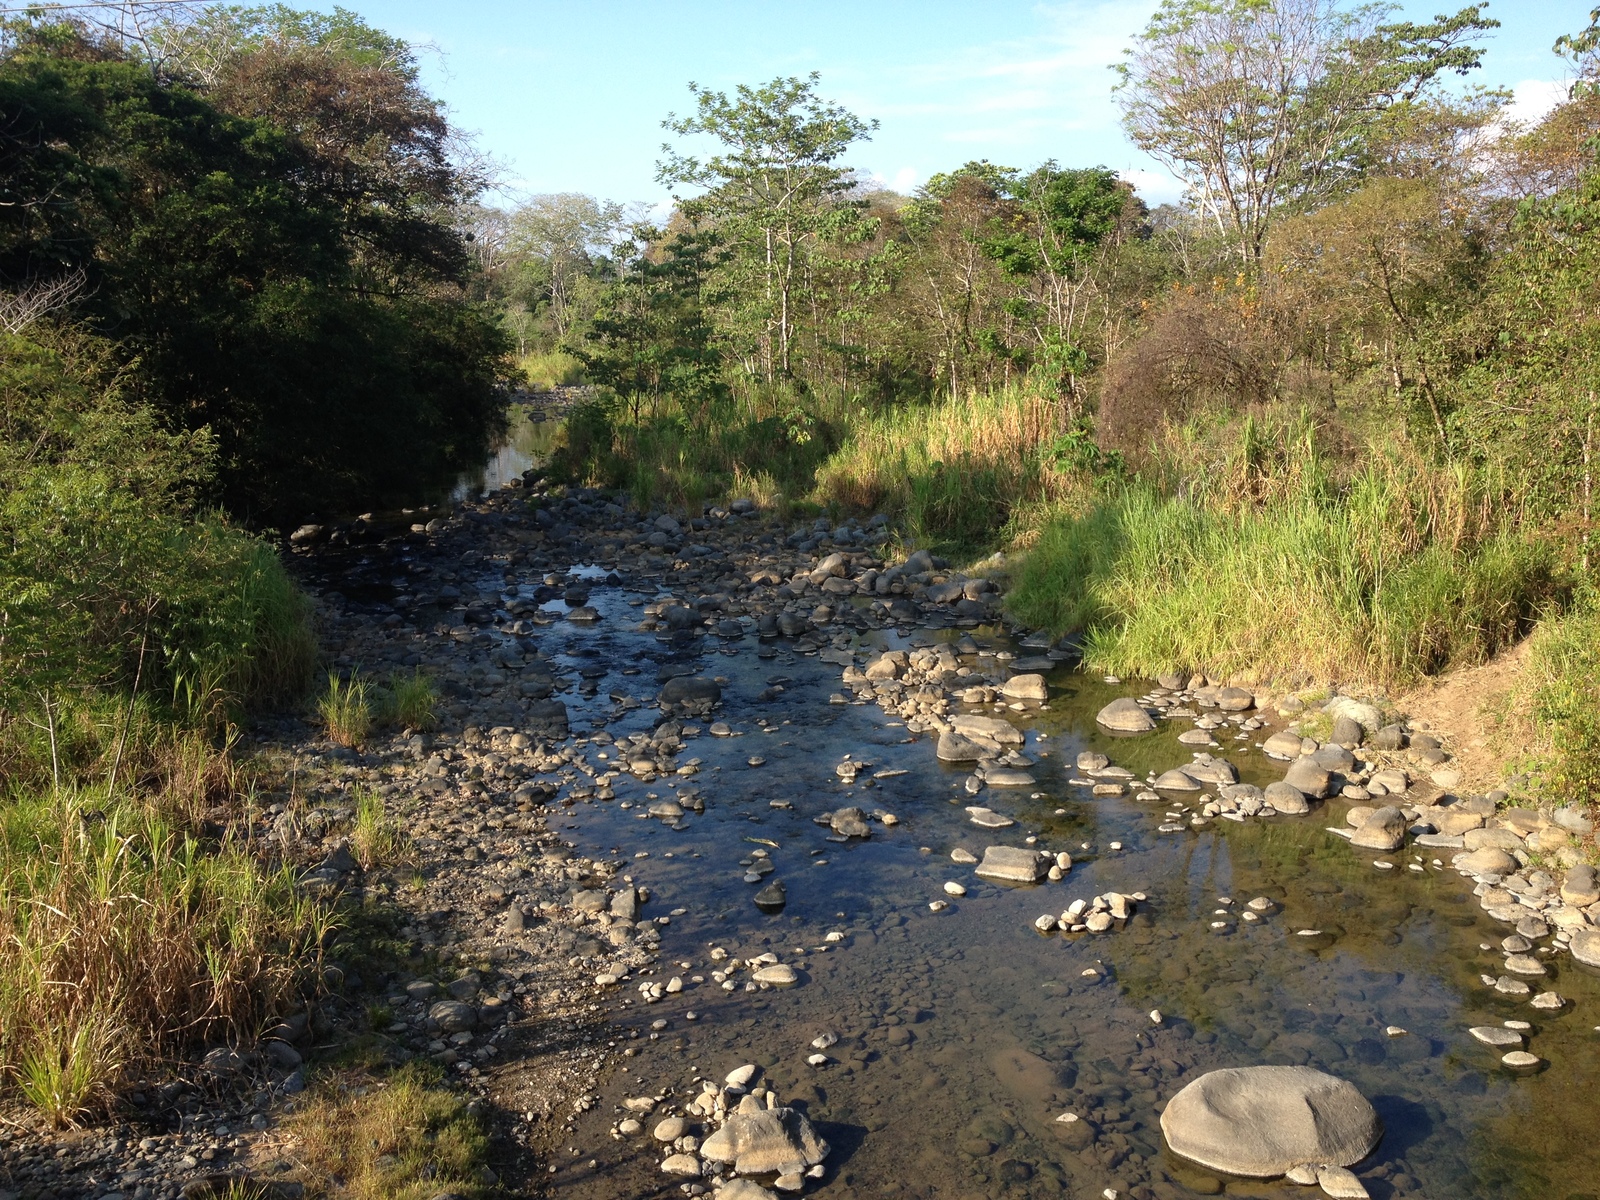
[(527, 902)]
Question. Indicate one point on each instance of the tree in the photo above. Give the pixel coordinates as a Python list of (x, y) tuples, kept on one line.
[(1384, 267), (1258, 104), (774, 189), (650, 338), (328, 351), (557, 242)]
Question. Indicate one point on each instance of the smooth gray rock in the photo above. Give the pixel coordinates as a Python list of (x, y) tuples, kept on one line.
[(1001, 777), (1126, 716), (1580, 888), (1365, 715), (1585, 947), (1390, 737), (1333, 757), (1177, 780), (1232, 699), (1283, 744), (1011, 863), (981, 729), (1261, 1122), (955, 748), (777, 1141), (1026, 687), (1384, 830), (1347, 733), (850, 822), (1287, 799), (1490, 860), (454, 1016), (688, 689), (1310, 777)]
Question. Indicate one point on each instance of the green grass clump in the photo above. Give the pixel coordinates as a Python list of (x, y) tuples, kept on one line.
[(408, 1137), (1397, 573), (412, 698), (1561, 685), (549, 369), (377, 839), (124, 942), (346, 709)]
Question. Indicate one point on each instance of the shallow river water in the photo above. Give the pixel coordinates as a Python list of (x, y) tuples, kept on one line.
[(964, 1034)]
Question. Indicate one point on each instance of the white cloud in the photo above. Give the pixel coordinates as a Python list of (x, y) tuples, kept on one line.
[(905, 180), (1532, 99), (1154, 187)]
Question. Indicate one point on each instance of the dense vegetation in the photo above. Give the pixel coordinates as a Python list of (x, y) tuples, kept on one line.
[(232, 292), (1331, 417)]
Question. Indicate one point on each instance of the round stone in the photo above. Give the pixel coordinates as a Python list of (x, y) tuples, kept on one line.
[(1260, 1122)]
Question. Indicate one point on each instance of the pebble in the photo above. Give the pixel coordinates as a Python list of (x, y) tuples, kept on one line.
[(954, 889)]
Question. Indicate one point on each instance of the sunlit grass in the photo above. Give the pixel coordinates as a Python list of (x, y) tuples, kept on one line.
[(405, 1138), (123, 941), (346, 709)]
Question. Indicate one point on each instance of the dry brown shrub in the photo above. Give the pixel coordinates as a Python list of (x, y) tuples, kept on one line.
[(1200, 350)]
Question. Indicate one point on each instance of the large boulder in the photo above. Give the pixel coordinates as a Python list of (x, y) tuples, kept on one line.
[(955, 748), (1585, 947), (1287, 799), (1365, 715), (1490, 860), (1283, 744), (769, 1141), (850, 822), (689, 689), (1233, 699), (1310, 777), (1262, 1122), (1012, 864), (1384, 829), (981, 729), (1177, 780), (1581, 888), (1126, 715), (1027, 687)]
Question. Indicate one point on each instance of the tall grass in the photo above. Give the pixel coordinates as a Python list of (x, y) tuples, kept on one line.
[(549, 369), (1397, 572), (411, 698), (123, 941), (346, 709), (768, 443), (377, 839), (1561, 695), (954, 470)]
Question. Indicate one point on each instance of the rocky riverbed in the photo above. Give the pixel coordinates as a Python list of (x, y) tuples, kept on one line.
[(745, 859)]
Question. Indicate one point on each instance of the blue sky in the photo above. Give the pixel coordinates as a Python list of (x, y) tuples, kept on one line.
[(570, 96)]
